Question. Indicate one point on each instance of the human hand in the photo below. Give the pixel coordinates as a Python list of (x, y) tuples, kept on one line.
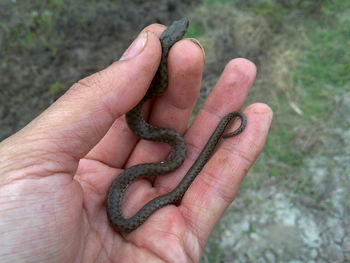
[(55, 173)]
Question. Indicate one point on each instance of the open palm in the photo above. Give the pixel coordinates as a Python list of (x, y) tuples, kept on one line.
[(55, 173)]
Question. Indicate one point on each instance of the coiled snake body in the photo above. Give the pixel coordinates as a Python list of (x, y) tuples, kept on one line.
[(178, 147)]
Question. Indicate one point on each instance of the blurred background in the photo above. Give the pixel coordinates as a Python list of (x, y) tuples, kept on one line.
[(294, 204)]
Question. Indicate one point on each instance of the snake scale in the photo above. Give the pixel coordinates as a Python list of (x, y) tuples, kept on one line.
[(177, 156)]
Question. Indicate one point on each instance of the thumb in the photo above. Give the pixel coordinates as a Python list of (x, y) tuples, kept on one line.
[(78, 120)]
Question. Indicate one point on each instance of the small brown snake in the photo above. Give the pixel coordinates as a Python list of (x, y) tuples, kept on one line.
[(177, 156)]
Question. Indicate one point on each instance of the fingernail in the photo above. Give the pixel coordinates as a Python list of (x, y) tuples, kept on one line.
[(199, 44), (136, 46)]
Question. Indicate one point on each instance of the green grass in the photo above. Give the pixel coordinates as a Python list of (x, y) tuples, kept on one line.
[(321, 74), (194, 31), (57, 88), (208, 2), (325, 65), (56, 3)]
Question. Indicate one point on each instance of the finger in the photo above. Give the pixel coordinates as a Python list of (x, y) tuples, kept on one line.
[(215, 188), (119, 137), (172, 110), (228, 95), (68, 129)]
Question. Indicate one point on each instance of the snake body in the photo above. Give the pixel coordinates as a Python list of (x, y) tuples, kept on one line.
[(137, 124)]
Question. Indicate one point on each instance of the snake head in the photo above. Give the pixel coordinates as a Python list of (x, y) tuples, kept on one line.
[(174, 32)]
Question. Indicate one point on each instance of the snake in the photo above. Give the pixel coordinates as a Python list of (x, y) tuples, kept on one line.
[(177, 156)]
